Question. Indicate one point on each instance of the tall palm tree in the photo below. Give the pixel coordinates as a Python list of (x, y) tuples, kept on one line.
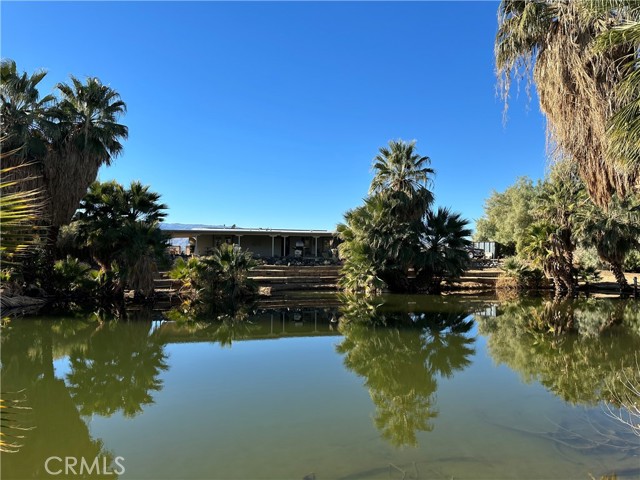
[(551, 42), (624, 126), (25, 128), (613, 233), (399, 168), (91, 136), (65, 140)]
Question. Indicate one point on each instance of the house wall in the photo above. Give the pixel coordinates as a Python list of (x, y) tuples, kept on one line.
[(261, 244), (203, 243), (257, 244)]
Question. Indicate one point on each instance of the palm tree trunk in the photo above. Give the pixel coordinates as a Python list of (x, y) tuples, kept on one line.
[(616, 268)]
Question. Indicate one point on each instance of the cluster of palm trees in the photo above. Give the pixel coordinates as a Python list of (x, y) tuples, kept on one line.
[(583, 58), (52, 148), (396, 240), (564, 217), (216, 283), (65, 138), (119, 229)]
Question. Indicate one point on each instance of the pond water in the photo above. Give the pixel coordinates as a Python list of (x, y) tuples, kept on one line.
[(412, 387)]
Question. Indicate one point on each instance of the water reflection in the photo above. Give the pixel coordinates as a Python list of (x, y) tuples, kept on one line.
[(263, 323), (583, 352), (56, 428), (293, 400), (117, 369), (401, 362)]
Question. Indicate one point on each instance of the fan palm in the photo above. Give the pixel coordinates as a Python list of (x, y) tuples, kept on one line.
[(399, 168), (25, 127), (91, 136), (378, 243), (624, 126), (551, 42), (21, 211), (444, 241), (65, 140), (560, 198), (544, 246), (121, 228), (232, 265), (613, 233)]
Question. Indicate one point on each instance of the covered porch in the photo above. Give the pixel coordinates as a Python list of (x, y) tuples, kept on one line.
[(262, 242)]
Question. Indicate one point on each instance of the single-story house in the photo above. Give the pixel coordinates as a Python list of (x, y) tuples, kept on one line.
[(262, 242)]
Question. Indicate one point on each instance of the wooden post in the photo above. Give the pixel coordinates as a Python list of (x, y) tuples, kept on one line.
[(635, 287)]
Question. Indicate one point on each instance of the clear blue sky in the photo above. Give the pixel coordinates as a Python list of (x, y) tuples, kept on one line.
[(269, 114)]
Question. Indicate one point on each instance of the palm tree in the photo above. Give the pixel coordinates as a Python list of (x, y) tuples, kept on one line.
[(560, 199), (399, 168), (551, 42), (444, 243), (544, 246), (91, 136), (613, 233), (378, 243), (21, 211), (624, 126), (25, 127), (231, 266), (65, 141), (120, 227)]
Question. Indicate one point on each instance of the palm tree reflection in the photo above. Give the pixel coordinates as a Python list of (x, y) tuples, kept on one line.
[(117, 370), (580, 350), (400, 355)]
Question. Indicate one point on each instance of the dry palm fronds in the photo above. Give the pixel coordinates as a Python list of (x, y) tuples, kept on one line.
[(551, 43)]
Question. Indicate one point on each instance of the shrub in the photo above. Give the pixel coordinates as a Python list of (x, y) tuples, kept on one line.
[(71, 276), (517, 275), (632, 262)]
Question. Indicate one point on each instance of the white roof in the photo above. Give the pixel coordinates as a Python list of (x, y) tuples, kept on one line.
[(249, 231)]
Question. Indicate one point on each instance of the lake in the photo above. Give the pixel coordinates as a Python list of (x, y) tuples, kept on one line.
[(412, 387)]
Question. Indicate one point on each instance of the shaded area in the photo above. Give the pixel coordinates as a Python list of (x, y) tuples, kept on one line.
[(56, 428), (114, 367)]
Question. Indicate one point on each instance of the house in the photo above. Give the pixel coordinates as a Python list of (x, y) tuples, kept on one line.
[(263, 242)]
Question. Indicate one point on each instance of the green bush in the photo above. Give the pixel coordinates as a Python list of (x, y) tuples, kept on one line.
[(71, 276), (518, 275), (217, 278), (588, 258), (632, 262)]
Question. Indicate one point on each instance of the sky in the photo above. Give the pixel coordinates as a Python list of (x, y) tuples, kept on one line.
[(269, 114)]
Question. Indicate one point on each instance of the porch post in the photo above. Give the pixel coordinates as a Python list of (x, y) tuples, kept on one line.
[(315, 253), (273, 246), (239, 239)]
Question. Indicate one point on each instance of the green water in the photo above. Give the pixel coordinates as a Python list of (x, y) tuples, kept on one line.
[(398, 387)]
